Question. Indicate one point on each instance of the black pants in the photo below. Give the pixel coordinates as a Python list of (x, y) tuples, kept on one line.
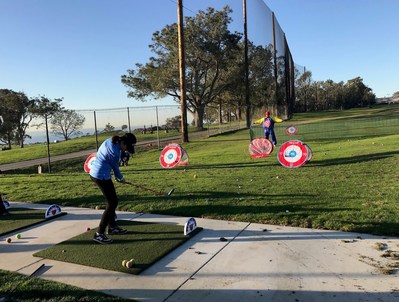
[(2, 207), (108, 189)]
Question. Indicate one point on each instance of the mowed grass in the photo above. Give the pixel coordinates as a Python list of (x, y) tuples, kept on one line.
[(17, 287), (351, 184)]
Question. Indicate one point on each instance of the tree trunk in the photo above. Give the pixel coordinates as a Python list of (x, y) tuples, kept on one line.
[(199, 117)]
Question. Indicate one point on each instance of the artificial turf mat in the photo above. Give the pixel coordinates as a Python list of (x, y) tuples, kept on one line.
[(144, 242), (20, 218)]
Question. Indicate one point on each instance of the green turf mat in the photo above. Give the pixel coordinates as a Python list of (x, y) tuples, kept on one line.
[(144, 242), (20, 218)]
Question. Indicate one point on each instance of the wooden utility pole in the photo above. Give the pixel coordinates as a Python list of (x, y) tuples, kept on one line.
[(182, 70), (247, 100)]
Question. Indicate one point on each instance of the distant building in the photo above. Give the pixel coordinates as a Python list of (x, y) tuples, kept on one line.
[(387, 100)]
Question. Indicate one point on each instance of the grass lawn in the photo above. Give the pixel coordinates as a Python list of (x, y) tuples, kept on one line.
[(17, 287), (351, 184)]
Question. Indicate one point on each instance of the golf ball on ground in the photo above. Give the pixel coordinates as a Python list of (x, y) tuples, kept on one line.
[(18, 236), (8, 240), (130, 263)]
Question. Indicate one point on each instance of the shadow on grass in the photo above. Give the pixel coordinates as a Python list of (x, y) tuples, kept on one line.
[(353, 159), (376, 228)]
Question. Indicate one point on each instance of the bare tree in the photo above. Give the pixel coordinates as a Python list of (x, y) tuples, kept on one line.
[(67, 123)]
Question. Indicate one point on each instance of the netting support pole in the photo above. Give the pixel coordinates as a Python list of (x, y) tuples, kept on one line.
[(182, 69), (158, 140), (128, 119), (95, 129), (247, 100)]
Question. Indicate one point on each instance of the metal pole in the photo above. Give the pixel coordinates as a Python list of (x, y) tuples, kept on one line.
[(275, 64), (247, 100), (48, 146), (182, 69), (128, 119), (159, 141), (95, 129)]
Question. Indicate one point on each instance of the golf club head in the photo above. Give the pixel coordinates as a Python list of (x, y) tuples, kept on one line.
[(170, 192)]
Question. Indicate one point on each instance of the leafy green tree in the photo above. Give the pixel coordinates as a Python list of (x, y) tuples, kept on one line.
[(16, 108), (173, 122), (108, 128), (358, 94), (209, 45), (45, 108), (67, 123), (303, 91)]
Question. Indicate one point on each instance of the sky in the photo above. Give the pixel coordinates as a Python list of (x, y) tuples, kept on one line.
[(78, 49)]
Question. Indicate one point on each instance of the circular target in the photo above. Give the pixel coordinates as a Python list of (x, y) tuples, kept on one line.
[(291, 130), (293, 154), (260, 147), (170, 156), (89, 162)]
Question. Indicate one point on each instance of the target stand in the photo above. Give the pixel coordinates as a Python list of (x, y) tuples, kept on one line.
[(173, 155), (260, 147), (293, 154), (89, 162)]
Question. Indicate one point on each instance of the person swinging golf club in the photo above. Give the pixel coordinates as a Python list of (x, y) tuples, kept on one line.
[(107, 159)]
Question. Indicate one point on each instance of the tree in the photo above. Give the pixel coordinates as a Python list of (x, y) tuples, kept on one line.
[(124, 127), (396, 95), (17, 109), (46, 109), (173, 122), (358, 94), (108, 128), (67, 123), (209, 45)]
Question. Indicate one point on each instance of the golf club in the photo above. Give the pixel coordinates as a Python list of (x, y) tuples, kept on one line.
[(151, 190)]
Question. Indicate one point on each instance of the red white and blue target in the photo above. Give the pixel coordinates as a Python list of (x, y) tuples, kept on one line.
[(171, 155), (260, 147), (293, 154), (52, 211), (291, 130), (89, 162)]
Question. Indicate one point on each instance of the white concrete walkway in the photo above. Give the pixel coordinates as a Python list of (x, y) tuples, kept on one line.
[(256, 263)]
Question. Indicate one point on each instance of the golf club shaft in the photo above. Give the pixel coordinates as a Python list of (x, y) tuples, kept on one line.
[(144, 188)]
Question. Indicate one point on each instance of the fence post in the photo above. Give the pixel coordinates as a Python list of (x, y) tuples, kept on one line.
[(95, 129), (159, 142), (128, 119)]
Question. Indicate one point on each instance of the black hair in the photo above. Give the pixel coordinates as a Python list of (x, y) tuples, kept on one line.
[(128, 138), (116, 139)]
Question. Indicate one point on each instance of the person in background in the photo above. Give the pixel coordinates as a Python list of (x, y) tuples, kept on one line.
[(267, 123), (107, 160)]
